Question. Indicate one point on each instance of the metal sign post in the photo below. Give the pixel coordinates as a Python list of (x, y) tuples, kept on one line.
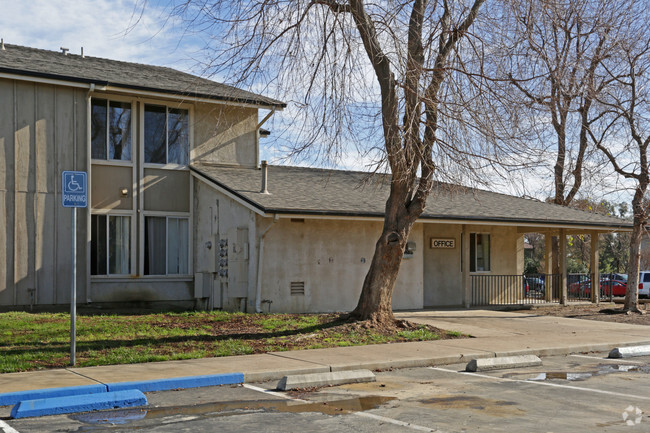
[(74, 194)]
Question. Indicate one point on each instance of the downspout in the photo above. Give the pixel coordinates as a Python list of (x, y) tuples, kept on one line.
[(258, 292), (91, 89)]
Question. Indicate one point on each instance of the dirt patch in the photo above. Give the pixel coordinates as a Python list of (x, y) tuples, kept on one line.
[(605, 312)]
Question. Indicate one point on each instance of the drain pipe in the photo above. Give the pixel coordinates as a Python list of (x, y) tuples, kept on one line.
[(258, 292)]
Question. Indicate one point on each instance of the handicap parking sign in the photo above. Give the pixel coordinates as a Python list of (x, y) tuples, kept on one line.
[(75, 189)]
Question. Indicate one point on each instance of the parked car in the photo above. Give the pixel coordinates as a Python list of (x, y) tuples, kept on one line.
[(644, 284), (617, 277), (579, 289), (536, 284), (612, 287)]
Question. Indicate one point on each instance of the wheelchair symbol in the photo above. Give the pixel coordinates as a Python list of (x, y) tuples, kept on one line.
[(73, 185)]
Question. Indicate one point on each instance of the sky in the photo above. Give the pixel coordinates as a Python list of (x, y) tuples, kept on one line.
[(124, 30)]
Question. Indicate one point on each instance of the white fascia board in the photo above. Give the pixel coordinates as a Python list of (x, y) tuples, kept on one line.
[(185, 98), (574, 228), (229, 194), (47, 81), (135, 92)]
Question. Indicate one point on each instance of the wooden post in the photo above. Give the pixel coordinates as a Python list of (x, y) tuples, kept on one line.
[(466, 281), (595, 273), (563, 276), (548, 267)]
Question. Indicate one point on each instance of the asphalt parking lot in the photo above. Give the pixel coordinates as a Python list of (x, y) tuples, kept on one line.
[(571, 393)]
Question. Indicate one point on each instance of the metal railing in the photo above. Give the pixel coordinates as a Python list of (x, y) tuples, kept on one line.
[(514, 289), (579, 287), (537, 288)]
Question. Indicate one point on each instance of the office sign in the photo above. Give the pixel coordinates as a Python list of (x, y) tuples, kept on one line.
[(443, 243), (74, 192)]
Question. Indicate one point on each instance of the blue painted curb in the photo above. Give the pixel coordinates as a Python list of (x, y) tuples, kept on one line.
[(179, 382), (78, 403), (10, 398)]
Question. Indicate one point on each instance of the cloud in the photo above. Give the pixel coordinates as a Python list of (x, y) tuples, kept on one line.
[(105, 28)]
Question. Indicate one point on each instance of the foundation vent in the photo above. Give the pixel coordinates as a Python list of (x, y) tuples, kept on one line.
[(297, 288)]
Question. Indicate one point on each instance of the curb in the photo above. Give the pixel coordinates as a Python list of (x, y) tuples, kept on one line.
[(178, 382), (52, 401), (10, 398), (78, 403)]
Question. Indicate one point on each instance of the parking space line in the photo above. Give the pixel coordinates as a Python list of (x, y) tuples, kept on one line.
[(361, 414), (532, 382), (615, 360), (396, 422), (276, 394), (6, 428)]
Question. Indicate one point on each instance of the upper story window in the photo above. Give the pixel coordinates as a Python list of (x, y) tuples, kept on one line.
[(479, 252), (166, 135), (110, 130)]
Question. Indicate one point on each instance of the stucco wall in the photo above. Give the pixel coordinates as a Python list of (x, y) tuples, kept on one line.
[(332, 258), (225, 135), (42, 133), (442, 267), (442, 271)]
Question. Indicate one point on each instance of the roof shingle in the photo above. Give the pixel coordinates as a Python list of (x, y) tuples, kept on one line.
[(35, 62), (302, 190)]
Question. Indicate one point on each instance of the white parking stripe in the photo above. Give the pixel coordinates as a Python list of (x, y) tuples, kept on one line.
[(396, 422), (616, 360), (6, 428), (277, 394), (361, 414), (533, 382)]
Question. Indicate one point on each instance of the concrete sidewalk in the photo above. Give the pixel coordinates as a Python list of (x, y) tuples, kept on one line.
[(495, 333)]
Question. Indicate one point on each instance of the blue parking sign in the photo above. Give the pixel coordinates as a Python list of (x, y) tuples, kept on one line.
[(75, 189)]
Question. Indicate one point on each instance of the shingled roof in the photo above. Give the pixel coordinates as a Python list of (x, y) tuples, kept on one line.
[(39, 63), (312, 191)]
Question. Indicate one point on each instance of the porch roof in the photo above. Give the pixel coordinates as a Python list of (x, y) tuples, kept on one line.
[(45, 64), (315, 191)]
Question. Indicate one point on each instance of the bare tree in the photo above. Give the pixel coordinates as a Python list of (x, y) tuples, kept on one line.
[(558, 47), (399, 65), (621, 130)]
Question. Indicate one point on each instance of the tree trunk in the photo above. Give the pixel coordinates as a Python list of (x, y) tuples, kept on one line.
[(375, 301), (631, 293), (377, 292)]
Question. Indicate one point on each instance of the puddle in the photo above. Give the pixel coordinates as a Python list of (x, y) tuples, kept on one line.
[(334, 407), (490, 406), (559, 375), (578, 376)]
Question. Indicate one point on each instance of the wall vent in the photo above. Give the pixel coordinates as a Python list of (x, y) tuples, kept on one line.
[(297, 288)]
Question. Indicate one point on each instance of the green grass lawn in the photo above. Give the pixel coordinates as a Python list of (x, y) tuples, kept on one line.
[(42, 340)]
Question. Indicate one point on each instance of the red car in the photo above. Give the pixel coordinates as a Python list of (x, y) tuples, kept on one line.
[(613, 287)]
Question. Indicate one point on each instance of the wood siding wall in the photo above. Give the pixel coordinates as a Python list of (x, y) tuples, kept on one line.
[(43, 131)]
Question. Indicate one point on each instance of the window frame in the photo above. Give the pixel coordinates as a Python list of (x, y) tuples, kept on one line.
[(473, 265), (167, 216), (132, 252), (190, 133), (133, 134)]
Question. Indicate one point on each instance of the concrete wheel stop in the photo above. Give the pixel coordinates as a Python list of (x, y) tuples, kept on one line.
[(500, 363), (325, 379), (79, 403), (628, 352)]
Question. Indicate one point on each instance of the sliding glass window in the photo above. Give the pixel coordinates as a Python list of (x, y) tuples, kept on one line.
[(166, 245), (110, 245)]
